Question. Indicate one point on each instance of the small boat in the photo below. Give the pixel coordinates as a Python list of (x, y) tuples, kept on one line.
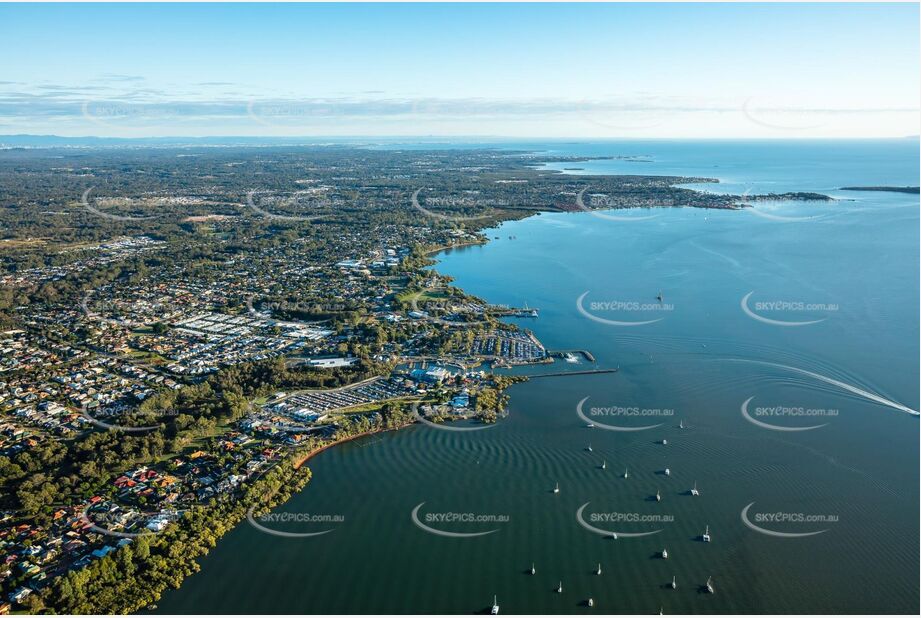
[(604, 465), (681, 424), (661, 612), (658, 496), (614, 535), (590, 425), (668, 472), (664, 441), (706, 535), (559, 588), (495, 606), (598, 572), (694, 490), (659, 296), (710, 588), (674, 582), (556, 489), (589, 449), (591, 602), (533, 570), (665, 554), (626, 473)]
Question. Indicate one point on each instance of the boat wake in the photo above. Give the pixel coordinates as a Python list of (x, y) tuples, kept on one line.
[(868, 395)]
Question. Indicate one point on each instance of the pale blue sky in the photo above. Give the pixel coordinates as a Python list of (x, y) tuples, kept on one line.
[(602, 70)]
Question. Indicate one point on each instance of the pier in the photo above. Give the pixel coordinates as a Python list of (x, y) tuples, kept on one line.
[(584, 372)]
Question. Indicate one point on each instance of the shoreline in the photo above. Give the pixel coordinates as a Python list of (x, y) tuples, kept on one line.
[(298, 463)]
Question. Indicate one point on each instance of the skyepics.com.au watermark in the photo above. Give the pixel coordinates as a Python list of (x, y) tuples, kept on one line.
[(270, 306), (467, 202), (611, 417), (419, 413), (786, 524), (776, 417), (612, 312), (440, 522), (616, 517), (466, 518), (791, 411), (783, 517), (279, 523), (628, 411), (780, 312), (628, 305), (300, 518), (127, 419), (598, 203), (610, 524), (288, 203)]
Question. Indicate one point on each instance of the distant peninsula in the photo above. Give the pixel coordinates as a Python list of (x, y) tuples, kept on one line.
[(890, 189)]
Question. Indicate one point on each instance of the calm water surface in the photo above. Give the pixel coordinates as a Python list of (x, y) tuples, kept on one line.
[(851, 268)]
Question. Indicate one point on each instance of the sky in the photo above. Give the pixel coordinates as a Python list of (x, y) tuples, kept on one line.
[(509, 70)]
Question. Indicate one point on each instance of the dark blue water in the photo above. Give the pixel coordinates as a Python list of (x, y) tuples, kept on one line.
[(827, 338)]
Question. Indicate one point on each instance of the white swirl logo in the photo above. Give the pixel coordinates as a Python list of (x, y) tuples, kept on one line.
[(84, 412), (445, 426), (615, 534), (290, 535), (106, 215), (770, 216), (754, 115), (784, 306), (622, 115), (748, 417), (93, 316), (276, 217), (95, 527), (614, 411), (454, 517), (437, 320), (580, 204), (619, 306), (441, 216), (782, 518)]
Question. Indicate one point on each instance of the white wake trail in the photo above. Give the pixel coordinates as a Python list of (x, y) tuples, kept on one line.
[(842, 385)]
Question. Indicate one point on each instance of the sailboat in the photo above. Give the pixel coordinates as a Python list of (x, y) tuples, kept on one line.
[(556, 489), (674, 582), (598, 572), (495, 606), (591, 602), (664, 441), (706, 535), (589, 449), (658, 496), (614, 535), (626, 473), (668, 472), (710, 588), (694, 490), (665, 554), (681, 424), (604, 465), (559, 588), (533, 570), (659, 296)]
